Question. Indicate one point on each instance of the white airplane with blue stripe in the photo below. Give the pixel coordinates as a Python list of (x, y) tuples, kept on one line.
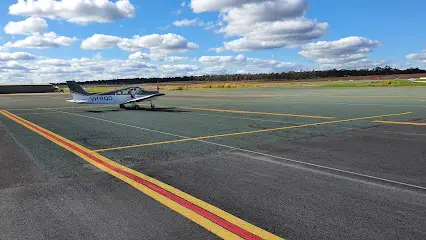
[(122, 96)]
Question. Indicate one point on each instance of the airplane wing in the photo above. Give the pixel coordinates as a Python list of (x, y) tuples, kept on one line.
[(77, 101), (144, 98)]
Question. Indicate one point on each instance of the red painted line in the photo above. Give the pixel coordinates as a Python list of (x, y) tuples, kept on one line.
[(206, 214)]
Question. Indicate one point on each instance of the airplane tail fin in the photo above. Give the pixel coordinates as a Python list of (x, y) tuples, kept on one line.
[(75, 88)]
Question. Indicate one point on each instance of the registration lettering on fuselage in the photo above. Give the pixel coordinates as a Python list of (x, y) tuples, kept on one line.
[(101, 98)]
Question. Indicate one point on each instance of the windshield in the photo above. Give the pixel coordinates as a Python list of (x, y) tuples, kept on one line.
[(139, 91)]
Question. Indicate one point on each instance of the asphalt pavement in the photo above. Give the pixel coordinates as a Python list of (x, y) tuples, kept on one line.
[(306, 163)]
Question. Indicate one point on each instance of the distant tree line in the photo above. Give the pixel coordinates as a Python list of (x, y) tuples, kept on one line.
[(283, 76)]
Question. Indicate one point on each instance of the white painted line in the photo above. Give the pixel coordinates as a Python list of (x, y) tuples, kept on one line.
[(42, 113), (329, 168), (118, 123), (383, 131), (406, 133), (12, 100), (263, 154), (305, 168)]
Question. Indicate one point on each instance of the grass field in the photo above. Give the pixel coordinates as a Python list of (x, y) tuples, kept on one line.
[(384, 83), (165, 87)]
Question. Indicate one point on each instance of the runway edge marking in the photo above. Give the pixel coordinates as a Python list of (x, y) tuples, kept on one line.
[(204, 214)]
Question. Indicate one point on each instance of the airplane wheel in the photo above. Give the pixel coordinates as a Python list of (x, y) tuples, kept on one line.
[(137, 107), (122, 106), (152, 106)]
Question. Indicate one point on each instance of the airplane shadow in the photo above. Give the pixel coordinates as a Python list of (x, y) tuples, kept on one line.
[(102, 111), (169, 109)]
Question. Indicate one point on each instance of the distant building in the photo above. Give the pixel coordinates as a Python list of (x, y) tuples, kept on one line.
[(39, 88)]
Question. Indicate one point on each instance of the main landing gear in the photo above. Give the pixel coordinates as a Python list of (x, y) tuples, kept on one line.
[(135, 106)]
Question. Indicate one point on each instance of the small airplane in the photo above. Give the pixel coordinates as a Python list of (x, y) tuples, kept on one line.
[(121, 96)]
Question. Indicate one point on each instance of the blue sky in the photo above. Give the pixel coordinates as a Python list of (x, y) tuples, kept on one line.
[(96, 39)]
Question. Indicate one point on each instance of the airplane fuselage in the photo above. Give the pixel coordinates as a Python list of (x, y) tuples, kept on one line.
[(105, 99)]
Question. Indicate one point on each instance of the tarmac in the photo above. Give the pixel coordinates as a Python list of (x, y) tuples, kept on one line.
[(293, 163)]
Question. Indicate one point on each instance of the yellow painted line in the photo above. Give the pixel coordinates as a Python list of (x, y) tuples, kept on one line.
[(58, 108), (249, 132), (189, 108), (250, 112), (147, 144), (35, 113), (401, 123), (128, 175), (23, 109), (377, 96)]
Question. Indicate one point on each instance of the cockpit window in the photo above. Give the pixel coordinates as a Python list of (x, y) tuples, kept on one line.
[(139, 91)]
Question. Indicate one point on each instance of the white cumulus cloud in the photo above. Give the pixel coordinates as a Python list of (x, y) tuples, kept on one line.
[(13, 65), (420, 57), (155, 42), (59, 70), (350, 52), (100, 41), (263, 24), (193, 22), (176, 58), (76, 11), (26, 27), (222, 59), (143, 56), (40, 41), (364, 63), (341, 47), (155, 57), (43, 69), (187, 22), (254, 64), (5, 56), (216, 5), (171, 70), (54, 62)]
